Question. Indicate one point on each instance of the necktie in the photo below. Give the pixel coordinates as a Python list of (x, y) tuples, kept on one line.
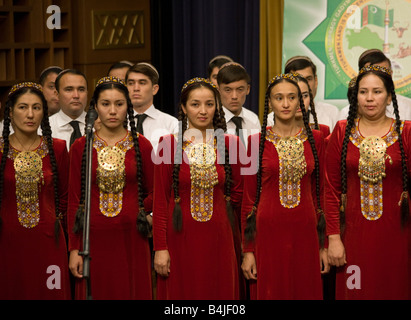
[(238, 126), (76, 131), (140, 119)]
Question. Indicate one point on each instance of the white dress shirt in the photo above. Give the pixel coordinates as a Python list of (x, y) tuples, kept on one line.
[(250, 123), (158, 124), (327, 114), (404, 107), (61, 127)]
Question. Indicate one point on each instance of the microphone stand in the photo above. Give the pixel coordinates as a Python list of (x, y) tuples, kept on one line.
[(91, 117)]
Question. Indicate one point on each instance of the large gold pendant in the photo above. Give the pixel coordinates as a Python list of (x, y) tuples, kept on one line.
[(204, 177), (111, 180), (371, 166), (28, 168), (371, 170), (292, 168)]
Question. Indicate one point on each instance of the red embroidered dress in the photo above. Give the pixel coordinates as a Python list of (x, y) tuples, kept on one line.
[(120, 266), (202, 255), (27, 242), (286, 246), (373, 238)]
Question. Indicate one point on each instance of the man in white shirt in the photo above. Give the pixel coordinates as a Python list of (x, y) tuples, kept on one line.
[(142, 83), (69, 123), (377, 57), (234, 86), (327, 114)]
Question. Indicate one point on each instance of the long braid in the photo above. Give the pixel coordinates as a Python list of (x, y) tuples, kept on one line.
[(178, 157), (299, 78), (251, 228), (404, 196), (46, 131), (352, 114), (321, 218), (220, 128), (143, 225), (6, 148), (79, 218), (312, 110)]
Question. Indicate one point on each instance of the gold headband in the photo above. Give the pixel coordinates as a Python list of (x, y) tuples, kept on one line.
[(110, 79), (22, 85), (375, 67), (352, 82), (291, 76), (197, 80)]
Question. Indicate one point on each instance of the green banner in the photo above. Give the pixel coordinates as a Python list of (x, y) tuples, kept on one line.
[(334, 34)]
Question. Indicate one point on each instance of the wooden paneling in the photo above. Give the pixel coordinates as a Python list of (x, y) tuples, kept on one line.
[(106, 31), (27, 46)]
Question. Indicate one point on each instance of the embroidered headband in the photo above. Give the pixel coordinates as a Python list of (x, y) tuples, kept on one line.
[(375, 67), (291, 76), (352, 82), (197, 80), (110, 79), (22, 85)]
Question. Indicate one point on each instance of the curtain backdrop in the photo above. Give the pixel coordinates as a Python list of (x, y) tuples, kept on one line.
[(271, 39), (188, 34)]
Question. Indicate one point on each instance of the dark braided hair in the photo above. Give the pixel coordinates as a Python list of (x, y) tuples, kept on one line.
[(385, 76), (220, 127), (250, 229), (300, 78), (46, 131), (141, 222)]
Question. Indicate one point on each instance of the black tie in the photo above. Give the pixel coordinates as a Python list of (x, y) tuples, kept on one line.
[(140, 119), (238, 126), (76, 132)]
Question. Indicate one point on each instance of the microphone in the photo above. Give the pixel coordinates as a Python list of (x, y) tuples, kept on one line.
[(91, 117)]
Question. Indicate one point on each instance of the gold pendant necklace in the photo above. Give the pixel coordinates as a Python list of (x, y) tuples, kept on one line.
[(28, 167)]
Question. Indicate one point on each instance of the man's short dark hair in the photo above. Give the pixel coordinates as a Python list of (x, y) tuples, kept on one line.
[(68, 71)]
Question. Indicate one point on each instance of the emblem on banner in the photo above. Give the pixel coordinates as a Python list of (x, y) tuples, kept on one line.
[(353, 26)]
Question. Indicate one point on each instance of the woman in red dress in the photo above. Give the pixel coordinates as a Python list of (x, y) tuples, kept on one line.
[(33, 195), (309, 107), (282, 202), (196, 192), (121, 198), (366, 188)]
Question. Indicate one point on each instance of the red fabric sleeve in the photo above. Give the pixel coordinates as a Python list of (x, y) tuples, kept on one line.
[(250, 186), (163, 180), (333, 178), (74, 192), (63, 165), (146, 150)]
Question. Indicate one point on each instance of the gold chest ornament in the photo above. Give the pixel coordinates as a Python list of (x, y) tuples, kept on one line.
[(204, 177), (28, 167), (111, 174), (28, 172), (292, 167), (371, 169)]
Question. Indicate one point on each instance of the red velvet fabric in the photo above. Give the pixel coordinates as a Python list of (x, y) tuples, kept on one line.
[(26, 254), (120, 266)]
